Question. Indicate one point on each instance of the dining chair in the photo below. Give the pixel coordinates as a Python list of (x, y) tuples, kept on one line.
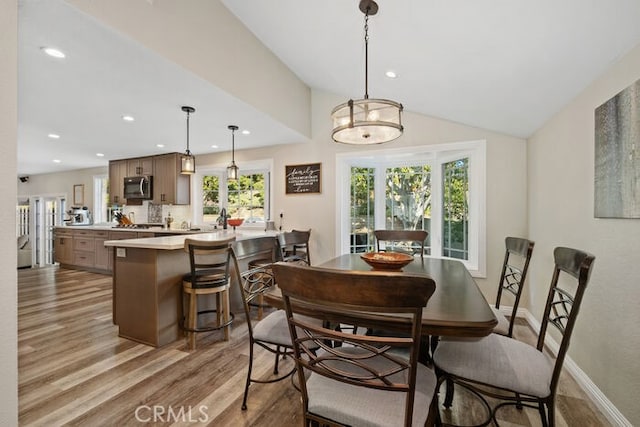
[(406, 241), (209, 274), (509, 370), (271, 332), (358, 379), (512, 280), (294, 245)]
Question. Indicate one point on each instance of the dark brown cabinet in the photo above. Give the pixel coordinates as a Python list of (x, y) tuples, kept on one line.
[(63, 246), (169, 185), (140, 166), (117, 174), (102, 258)]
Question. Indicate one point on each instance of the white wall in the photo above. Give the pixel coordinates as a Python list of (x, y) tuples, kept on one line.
[(606, 340), (62, 183), (8, 178)]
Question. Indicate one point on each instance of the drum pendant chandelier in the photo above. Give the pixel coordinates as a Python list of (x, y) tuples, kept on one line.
[(367, 121)]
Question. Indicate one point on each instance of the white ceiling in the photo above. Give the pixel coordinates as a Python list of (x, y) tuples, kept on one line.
[(503, 65)]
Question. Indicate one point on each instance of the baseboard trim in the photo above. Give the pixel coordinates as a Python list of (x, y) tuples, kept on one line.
[(599, 399)]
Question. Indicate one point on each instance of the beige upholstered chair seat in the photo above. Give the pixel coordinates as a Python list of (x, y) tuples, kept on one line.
[(502, 327), (274, 329), (500, 361), (358, 406)]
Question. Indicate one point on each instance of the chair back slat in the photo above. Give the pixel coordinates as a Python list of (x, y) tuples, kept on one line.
[(253, 282), (407, 241), (513, 276), (562, 306), (294, 246), (208, 261), (337, 296)]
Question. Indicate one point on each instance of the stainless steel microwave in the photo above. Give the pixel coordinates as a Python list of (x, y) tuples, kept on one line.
[(138, 187)]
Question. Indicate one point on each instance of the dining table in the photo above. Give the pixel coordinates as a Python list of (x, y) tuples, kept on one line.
[(457, 308)]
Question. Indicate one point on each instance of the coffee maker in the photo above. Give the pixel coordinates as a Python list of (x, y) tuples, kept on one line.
[(79, 216)]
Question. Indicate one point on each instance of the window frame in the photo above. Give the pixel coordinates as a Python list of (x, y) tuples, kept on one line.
[(436, 155), (247, 168)]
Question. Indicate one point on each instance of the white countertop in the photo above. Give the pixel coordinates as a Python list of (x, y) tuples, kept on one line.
[(153, 229), (177, 242)]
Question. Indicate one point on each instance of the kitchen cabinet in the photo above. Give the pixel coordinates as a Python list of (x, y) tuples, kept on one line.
[(117, 174), (102, 258), (140, 166), (63, 246), (169, 185)]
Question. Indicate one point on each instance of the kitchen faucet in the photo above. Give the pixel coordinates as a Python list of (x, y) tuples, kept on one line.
[(222, 219)]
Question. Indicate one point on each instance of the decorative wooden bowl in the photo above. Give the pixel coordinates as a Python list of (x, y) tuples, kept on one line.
[(235, 222), (386, 260)]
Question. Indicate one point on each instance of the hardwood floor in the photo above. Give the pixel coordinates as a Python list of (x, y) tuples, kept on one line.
[(75, 370)]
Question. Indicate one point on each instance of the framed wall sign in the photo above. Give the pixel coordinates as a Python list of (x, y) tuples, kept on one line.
[(302, 179), (78, 194)]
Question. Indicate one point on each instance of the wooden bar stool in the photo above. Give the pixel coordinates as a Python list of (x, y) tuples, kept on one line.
[(209, 275)]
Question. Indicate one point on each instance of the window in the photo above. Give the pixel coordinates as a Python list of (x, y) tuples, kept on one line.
[(247, 198), (440, 189)]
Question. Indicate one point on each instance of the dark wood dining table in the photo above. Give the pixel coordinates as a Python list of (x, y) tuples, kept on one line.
[(456, 308)]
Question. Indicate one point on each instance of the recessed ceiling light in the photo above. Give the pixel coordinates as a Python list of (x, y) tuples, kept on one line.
[(391, 74), (100, 154), (53, 52), (54, 136), (160, 145), (214, 146), (56, 161), (128, 118), (246, 132)]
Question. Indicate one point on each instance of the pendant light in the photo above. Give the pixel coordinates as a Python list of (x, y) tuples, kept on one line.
[(187, 159), (367, 121), (232, 169)]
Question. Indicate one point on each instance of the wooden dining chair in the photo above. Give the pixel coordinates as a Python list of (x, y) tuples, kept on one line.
[(271, 332), (512, 280), (294, 245), (406, 241), (209, 274), (514, 372), (358, 379)]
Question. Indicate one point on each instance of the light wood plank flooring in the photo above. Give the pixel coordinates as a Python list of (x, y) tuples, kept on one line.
[(75, 370)]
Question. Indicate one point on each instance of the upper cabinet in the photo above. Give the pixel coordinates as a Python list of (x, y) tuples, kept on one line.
[(140, 166), (117, 173), (169, 185)]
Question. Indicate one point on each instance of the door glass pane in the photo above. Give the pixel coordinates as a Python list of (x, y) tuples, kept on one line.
[(408, 200), (362, 209), (455, 209)]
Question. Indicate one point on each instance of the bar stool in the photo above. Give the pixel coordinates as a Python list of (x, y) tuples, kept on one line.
[(294, 246), (269, 253), (209, 275)]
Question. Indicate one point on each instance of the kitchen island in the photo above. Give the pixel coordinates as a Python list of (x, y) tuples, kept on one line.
[(81, 247), (147, 283)]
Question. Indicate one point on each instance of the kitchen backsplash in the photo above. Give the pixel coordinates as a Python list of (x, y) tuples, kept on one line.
[(157, 214)]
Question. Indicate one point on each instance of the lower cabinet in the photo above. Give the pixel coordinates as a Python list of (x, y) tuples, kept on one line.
[(85, 250), (63, 246)]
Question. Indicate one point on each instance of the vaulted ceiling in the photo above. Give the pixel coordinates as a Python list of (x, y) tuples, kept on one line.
[(501, 65)]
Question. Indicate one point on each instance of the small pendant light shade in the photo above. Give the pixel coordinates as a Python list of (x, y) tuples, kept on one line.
[(233, 170), (187, 159)]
